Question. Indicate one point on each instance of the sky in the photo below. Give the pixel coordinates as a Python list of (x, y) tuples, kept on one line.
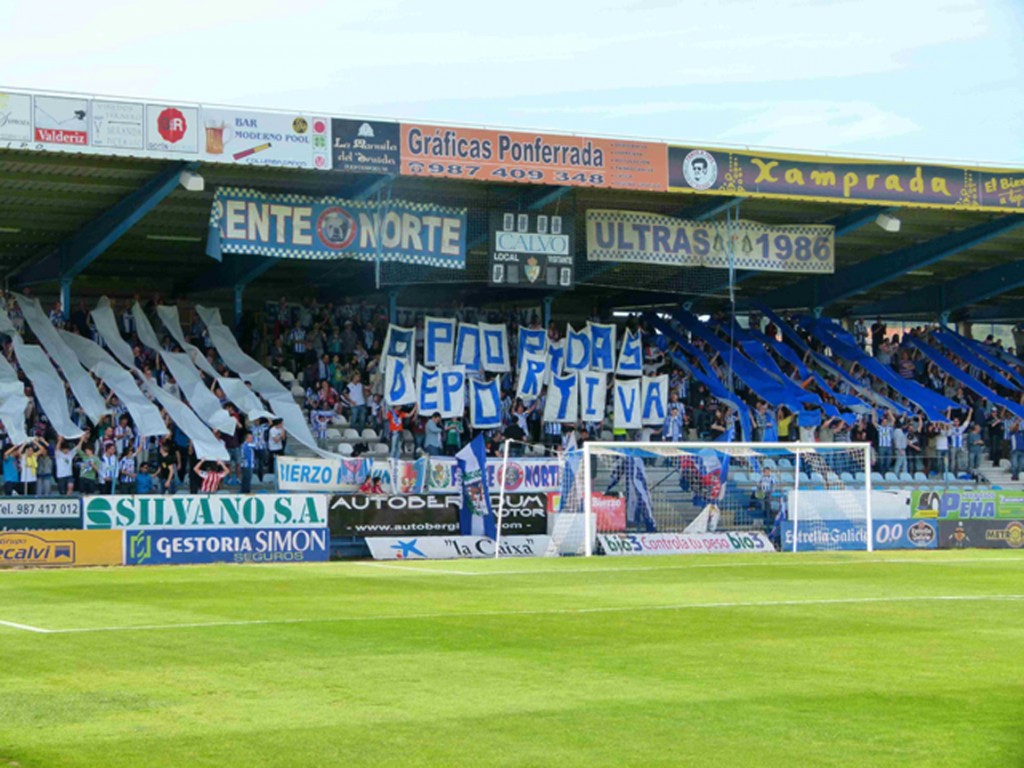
[(934, 79)]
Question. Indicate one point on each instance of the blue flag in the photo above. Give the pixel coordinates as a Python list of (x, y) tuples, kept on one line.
[(476, 517)]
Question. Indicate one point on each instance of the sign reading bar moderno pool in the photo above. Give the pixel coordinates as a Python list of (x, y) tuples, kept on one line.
[(285, 510)]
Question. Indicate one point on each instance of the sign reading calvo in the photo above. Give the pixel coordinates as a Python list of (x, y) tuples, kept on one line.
[(205, 511)]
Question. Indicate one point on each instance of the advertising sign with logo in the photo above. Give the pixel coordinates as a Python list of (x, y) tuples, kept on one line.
[(454, 547), (842, 535), (263, 510), (15, 117), (280, 140), (981, 534), (323, 475), (61, 120), (532, 250), (365, 146), (60, 548), (525, 475), (962, 504), (26, 514), (609, 510), (172, 129), (415, 514), (653, 238), (226, 545), (532, 158), (803, 177), (286, 226), (684, 543), (118, 125), (523, 513)]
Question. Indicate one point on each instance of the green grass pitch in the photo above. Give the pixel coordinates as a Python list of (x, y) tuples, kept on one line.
[(908, 659)]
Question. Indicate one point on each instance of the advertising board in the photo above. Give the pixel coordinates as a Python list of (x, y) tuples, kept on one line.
[(968, 503), (19, 513), (684, 543), (60, 548), (981, 534), (226, 545), (261, 510), (850, 535), (426, 514), (453, 547)]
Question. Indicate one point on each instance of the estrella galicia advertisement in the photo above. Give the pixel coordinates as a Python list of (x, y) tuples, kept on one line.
[(226, 545), (850, 535)]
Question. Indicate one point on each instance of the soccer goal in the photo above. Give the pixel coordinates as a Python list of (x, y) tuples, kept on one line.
[(807, 497)]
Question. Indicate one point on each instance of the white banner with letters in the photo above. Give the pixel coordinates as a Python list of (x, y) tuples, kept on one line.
[(455, 547)]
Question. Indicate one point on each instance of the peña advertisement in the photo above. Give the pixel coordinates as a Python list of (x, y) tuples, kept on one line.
[(967, 504)]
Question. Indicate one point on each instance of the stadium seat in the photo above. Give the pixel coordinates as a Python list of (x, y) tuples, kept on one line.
[(607, 435), (949, 477), (906, 477), (298, 391), (286, 376), (846, 477), (892, 477), (785, 464), (339, 421), (858, 476), (739, 476), (768, 463), (876, 477), (369, 434), (334, 435), (350, 434), (379, 449), (817, 477), (345, 449)]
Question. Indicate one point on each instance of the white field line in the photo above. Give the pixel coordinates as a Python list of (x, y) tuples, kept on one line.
[(767, 563), (547, 612), (25, 627)]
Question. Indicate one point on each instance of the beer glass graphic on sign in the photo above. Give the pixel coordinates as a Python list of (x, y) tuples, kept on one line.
[(215, 139)]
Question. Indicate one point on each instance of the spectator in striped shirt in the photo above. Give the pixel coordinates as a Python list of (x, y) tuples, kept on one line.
[(259, 445), (108, 470), (212, 477)]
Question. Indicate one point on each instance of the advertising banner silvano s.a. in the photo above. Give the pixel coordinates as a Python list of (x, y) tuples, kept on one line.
[(271, 510), (226, 545)]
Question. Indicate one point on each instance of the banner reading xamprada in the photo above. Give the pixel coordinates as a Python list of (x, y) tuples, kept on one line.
[(299, 227), (651, 238)]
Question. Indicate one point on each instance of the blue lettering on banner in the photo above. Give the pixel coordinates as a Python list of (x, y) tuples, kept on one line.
[(495, 344), (399, 386), (438, 341), (533, 376), (577, 350), (556, 359), (566, 386), (592, 396), (631, 359), (226, 545), (844, 535), (602, 347), (299, 227), (399, 342), (531, 340), (655, 396), (626, 395), (453, 397), (467, 347), (428, 391), (486, 413)]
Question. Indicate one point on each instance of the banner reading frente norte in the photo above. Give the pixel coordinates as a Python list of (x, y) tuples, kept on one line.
[(286, 226)]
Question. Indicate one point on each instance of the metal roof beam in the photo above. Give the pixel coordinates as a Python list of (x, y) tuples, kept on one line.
[(869, 274), (952, 294), (68, 259)]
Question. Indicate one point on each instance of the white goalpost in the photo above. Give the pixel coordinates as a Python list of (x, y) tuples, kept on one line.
[(809, 496)]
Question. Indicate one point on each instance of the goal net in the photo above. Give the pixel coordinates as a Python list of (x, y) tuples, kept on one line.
[(806, 497)]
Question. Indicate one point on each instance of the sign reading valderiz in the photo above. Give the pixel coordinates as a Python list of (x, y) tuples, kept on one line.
[(186, 511)]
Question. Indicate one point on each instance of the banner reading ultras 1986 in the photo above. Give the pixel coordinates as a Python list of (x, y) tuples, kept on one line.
[(532, 158)]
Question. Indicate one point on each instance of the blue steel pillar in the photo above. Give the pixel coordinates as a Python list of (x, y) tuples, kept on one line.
[(393, 307), (237, 290), (548, 301)]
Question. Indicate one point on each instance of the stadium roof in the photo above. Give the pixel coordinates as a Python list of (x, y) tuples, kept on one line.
[(120, 225)]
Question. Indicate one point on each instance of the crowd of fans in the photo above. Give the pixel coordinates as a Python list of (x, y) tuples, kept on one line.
[(334, 353)]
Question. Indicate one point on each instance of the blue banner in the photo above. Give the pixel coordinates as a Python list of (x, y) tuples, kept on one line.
[(179, 546), (284, 226), (850, 535)]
